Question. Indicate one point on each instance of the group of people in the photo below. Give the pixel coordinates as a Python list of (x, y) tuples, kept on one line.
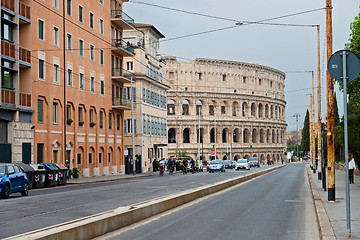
[(163, 164)]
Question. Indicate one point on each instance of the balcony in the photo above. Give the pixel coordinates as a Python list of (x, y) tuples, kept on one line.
[(24, 57), (121, 104), (8, 49), (123, 48), (24, 13), (121, 19), (9, 4), (8, 96), (117, 75), (25, 99)]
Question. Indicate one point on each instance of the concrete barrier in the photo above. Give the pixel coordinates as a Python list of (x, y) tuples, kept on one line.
[(102, 223)]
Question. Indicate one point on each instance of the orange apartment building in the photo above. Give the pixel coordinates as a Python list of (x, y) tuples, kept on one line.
[(75, 80)]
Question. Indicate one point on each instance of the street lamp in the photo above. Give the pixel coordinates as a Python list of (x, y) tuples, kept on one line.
[(199, 105)]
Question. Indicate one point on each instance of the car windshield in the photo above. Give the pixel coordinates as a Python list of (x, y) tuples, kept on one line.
[(215, 162), (241, 161), (227, 161), (2, 170), (253, 160)]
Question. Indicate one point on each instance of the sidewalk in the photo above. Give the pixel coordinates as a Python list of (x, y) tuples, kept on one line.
[(108, 178), (336, 211)]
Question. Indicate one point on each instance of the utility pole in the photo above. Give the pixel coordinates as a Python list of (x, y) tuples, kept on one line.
[(330, 108), (319, 108), (296, 115), (313, 123), (311, 139)]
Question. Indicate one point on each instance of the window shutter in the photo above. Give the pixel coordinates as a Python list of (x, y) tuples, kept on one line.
[(135, 127), (125, 126)]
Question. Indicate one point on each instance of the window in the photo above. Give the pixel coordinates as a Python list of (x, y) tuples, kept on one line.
[(171, 75), (56, 4), (100, 156), (109, 157), (110, 115), (68, 7), (81, 81), (224, 77), (56, 73), (80, 116), (101, 57), (91, 118), (102, 3), (129, 66), (41, 29), (41, 69), (40, 111), (92, 84), (199, 76), (118, 122), (90, 158), (101, 119), (91, 20), (81, 47), (80, 14), (3, 131), (7, 73), (55, 113), (259, 81), (68, 114), (102, 87), (69, 77), (101, 26), (92, 54), (56, 36), (244, 79), (7, 27), (69, 42)]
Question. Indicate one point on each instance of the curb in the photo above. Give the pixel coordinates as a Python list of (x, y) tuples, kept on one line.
[(110, 179), (326, 230), (102, 223)]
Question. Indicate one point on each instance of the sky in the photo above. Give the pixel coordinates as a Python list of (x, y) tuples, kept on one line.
[(287, 48)]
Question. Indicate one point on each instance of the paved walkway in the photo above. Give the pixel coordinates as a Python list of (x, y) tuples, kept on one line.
[(336, 211), (109, 178)]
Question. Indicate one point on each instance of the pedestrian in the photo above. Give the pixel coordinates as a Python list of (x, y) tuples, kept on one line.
[(67, 165), (351, 168)]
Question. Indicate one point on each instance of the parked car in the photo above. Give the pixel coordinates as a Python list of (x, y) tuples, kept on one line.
[(254, 162), (227, 164), (12, 180), (242, 164), (233, 163), (216, 165)]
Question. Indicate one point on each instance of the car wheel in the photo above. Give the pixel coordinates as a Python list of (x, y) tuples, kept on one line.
[(26, 190), (6, 193)]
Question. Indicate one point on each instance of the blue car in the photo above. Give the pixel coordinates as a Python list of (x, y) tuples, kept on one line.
[(12, 180), (216, 165)]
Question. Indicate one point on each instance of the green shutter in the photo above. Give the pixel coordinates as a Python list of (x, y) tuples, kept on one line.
[(40, 110)]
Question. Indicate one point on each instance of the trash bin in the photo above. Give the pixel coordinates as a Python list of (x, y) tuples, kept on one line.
[(52, 174), (39, 175), (26, 168), (63, 173)]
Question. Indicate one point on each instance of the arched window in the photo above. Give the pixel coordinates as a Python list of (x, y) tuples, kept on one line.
[(262, 136), (261, 109), (171, 135), (186, 135), (254, 136), (236, 135), (185, 107), (225, 133), (212, 135), (235, 108), (171, 107), (246, 136), (253, 110)]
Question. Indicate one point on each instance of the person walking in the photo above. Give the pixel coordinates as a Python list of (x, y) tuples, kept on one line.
[(351, 168)]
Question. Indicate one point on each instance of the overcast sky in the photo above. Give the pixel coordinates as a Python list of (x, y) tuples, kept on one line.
[(284, 48)]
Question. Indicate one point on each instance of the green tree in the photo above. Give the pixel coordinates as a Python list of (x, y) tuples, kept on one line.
[(336, 112), (305, 135), (354, 92)]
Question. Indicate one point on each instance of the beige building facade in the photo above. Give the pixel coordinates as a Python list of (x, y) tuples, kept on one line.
[(150, 125), (240, 108)]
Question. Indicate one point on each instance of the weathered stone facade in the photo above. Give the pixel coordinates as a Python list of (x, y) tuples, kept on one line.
[(243, 103)]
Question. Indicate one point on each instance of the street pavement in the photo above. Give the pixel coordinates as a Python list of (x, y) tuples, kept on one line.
[(275, 206), (49, 206), (336, 211)]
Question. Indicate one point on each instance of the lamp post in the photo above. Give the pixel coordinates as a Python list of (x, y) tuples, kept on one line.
[(199, 105)]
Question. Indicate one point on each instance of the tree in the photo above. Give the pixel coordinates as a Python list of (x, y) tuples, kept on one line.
[(336, 112), (354, 92), (305, 135)]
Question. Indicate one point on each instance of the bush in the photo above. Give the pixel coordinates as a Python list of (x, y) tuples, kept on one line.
[(76, 170), (71, 172)]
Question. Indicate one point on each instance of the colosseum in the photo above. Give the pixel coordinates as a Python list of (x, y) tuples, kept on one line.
[(238, 107)]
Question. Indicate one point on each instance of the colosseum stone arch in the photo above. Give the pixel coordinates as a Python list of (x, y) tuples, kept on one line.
[(242, 109)]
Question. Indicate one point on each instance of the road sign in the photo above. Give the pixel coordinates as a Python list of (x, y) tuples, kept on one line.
[(335, 65), (212, 153)]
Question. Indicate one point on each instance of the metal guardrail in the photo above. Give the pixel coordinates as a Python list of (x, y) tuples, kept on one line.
[(119, 43), (121, 14)]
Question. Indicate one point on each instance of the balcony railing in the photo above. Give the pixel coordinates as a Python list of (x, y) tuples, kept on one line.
[(9, 4), (24, 10), (24, 55), (119, 43), (25, 99), (123, 103), (8, 49), (122, 15), (8, 96)]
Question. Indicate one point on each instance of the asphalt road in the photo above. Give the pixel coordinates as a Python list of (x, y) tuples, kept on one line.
[(275, 206), (50, 206)]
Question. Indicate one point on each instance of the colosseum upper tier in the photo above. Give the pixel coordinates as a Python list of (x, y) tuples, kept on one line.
[(238, 107)]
